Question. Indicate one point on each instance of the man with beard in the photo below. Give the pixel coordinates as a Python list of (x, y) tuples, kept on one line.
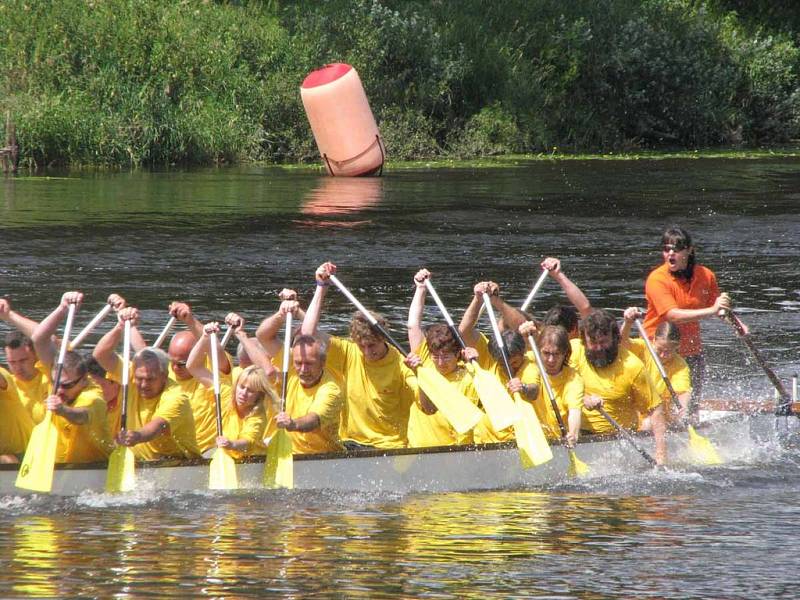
[(617, 380)]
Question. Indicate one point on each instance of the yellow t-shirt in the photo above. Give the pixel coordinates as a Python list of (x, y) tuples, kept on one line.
[(677, 370), (528, 373), (568, 390), (379, 395), (32, 393), (15, 421), (201, 399), (623, 385), (435, 430), (114, 414), (89, 442), (250, 427), (173, 406), (325, 400)]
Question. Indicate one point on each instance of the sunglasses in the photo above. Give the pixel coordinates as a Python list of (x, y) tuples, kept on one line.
[(179, 363), (67, 385), (673, 247)]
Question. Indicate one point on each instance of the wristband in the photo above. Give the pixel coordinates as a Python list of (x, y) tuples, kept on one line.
[(321, 283)]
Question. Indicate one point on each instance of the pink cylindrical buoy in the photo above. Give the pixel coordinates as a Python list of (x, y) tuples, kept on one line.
[(341, 120)]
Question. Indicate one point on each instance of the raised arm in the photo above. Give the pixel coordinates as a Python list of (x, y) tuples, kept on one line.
[(629, 316), (137, 341), (104, 352), (253, 346), (16, 320), (183, 312), (574, 294), (470, 318), (314, 312), (196, 362), (269, 331), (415, 334), (42, 336)]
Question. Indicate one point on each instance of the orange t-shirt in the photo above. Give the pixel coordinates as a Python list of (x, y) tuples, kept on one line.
[(665, 292)]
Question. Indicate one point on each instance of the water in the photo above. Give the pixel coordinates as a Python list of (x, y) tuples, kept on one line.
[(231, 239)]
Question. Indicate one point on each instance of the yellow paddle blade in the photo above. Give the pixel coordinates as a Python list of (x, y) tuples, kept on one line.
[(495, 398), (36, 470), (279, 464), (577, 468), (534, 448), (702, 448), (462, 414), (120, 476), (222, 471)]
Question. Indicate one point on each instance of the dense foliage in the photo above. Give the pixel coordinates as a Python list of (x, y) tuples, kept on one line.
[(147, 82)]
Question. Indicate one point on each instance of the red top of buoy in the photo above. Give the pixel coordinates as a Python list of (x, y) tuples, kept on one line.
[(326, 74)]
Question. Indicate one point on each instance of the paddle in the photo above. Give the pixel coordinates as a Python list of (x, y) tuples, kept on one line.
[(222, 472), (462, 414), (576, 466), (279, 465), (75, 343), (164, 332), (700, 446), (121, 464), (36, 470), (535, 289), (226, 338), (494, 397), (785, 401), (531, 441), (626, 435)]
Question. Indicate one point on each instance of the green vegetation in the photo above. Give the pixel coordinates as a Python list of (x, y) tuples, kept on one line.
[(131, 82)]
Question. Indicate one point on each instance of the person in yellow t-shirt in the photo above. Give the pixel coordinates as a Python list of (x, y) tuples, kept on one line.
[(380, 384), (666, 343), (160, 422), (77, 405), (567, 385), (200, 397), (313, 400), (28, 375), (16, 423), (246, 406), (436, 346), (617, 380), (111, 392), (525, 373)]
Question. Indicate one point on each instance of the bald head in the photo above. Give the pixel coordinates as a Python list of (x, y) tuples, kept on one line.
[(179, 349)]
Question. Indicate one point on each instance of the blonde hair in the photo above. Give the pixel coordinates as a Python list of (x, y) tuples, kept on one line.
[(255, 379)]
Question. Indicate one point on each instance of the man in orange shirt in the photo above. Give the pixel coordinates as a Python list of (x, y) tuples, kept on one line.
[(682, 292)]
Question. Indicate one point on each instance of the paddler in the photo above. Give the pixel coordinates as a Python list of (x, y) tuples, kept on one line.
[(436, 346), (617, 380), (77, 405), (380, 383), (246, 405), (160, 421), (525, 373), (314, 396)]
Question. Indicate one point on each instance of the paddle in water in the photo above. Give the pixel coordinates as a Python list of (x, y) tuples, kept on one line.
[(701, 447), (279, 464), (222, 472), (626, 435), (784, 408), (576, 466), (462, 414), (495, 398), (36, 471), (121, 476), (531, 441)]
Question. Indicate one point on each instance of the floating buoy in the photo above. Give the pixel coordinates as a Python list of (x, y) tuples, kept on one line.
[(342, 122)]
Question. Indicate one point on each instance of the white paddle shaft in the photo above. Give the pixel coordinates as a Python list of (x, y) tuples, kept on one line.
[(286, 339), (226, 338), (372, 320), (90, 327), (164, 333), (212, 339), (126, 353), (67, 331), (495, 327), (535, 290), (439, 303)]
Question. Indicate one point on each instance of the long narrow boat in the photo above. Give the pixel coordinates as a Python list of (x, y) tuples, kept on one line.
[(736, 435)]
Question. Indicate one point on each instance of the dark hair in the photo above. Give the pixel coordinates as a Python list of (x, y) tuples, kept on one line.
[(75, 362), (564, 315), (512, 340), (440, 338), (600, 322), (17, 339), (680, 238), (557, 335), (94, 368), (668, 331)]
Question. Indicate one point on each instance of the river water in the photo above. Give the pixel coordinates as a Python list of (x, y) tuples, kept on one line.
[(230, 239)]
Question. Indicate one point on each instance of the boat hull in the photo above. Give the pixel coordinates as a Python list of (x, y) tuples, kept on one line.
[(441, 469)]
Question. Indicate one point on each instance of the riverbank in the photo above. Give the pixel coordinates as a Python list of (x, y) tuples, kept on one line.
[(140, 82)]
